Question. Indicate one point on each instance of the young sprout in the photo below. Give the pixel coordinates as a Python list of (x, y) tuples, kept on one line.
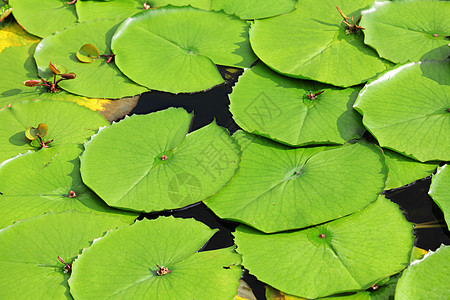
[(162, 270), (88, 53), (147, 6), (67, 267), (351, 27), (53, 86), (38, 133)]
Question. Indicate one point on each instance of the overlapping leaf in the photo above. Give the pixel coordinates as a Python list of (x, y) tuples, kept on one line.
[(408, 110), (266, 103), (147, 163), (98, 79), (35, 183), (254, 9), (439, 191), (29, 265), (11, 34), (408, 30), (68, 123), (122, 265), (43, 17), (331, 258), (176, 49), (312, 43), (278, 189), (427, 278)]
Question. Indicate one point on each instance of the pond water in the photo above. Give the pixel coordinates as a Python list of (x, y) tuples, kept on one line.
[(414, 200)]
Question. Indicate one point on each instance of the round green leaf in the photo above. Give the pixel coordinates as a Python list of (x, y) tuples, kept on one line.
[(408, 30), (175, 49), (277, 107), (407, 110), (404, 170), (34, 183), (427, 278), (43, 17), (68, 123), (311, 43), (348, 254), (88, 53), (29, 265), (97, 79), (33, 133), (147, 163), (278, 189), (123, 265), (254, 9), (439, 191)]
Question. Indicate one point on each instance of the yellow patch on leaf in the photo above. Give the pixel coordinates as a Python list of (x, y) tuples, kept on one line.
[(11, 34)]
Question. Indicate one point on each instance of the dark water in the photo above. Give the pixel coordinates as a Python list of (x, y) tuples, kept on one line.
[(414, 200)]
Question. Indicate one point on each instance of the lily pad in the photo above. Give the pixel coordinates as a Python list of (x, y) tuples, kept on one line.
[(439, 191), (277, 188), (87, 53), (427, 278), (277, 107), (408, 30), (34, 183), (311, 42), (407, 109), (43, 17), (123, 265), (29, 265), (98, 79), (176, 49), (348, 254), (155, 165), (11, 34), (254, 9), (404, 170), (68, 123)]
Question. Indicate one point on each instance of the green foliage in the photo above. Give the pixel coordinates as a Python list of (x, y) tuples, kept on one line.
[(439, 191)]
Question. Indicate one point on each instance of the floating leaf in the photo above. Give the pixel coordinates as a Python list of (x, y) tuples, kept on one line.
[(29, 265), (427, 278), (122, 265), (34, 183), (43, 17), (277, 107), (439, 191), (32, 133), (408, 30), (254, 9), (333, 257), (68, 123), (404, 170), (175, 49), (407, 110), (11, 34), (277, 188), (97, 79), (312, 43), (156, 166), (88, 53)]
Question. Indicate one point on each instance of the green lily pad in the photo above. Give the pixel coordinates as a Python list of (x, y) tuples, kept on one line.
[(68, 123), (98, 79), (348, 254), (33, 133), (34, 183), (277, 107), (11, 34), (312, 43), (407, 109), (29, 265), (176, 49), (404, 170), (427, 278), (147, 163), (123, 265), (408, 30), (43, 17), (87, 53), (277, 188), (254, 9), (439, 191)]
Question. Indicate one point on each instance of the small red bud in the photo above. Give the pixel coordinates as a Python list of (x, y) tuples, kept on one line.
[(31, 82), (68, 76)]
